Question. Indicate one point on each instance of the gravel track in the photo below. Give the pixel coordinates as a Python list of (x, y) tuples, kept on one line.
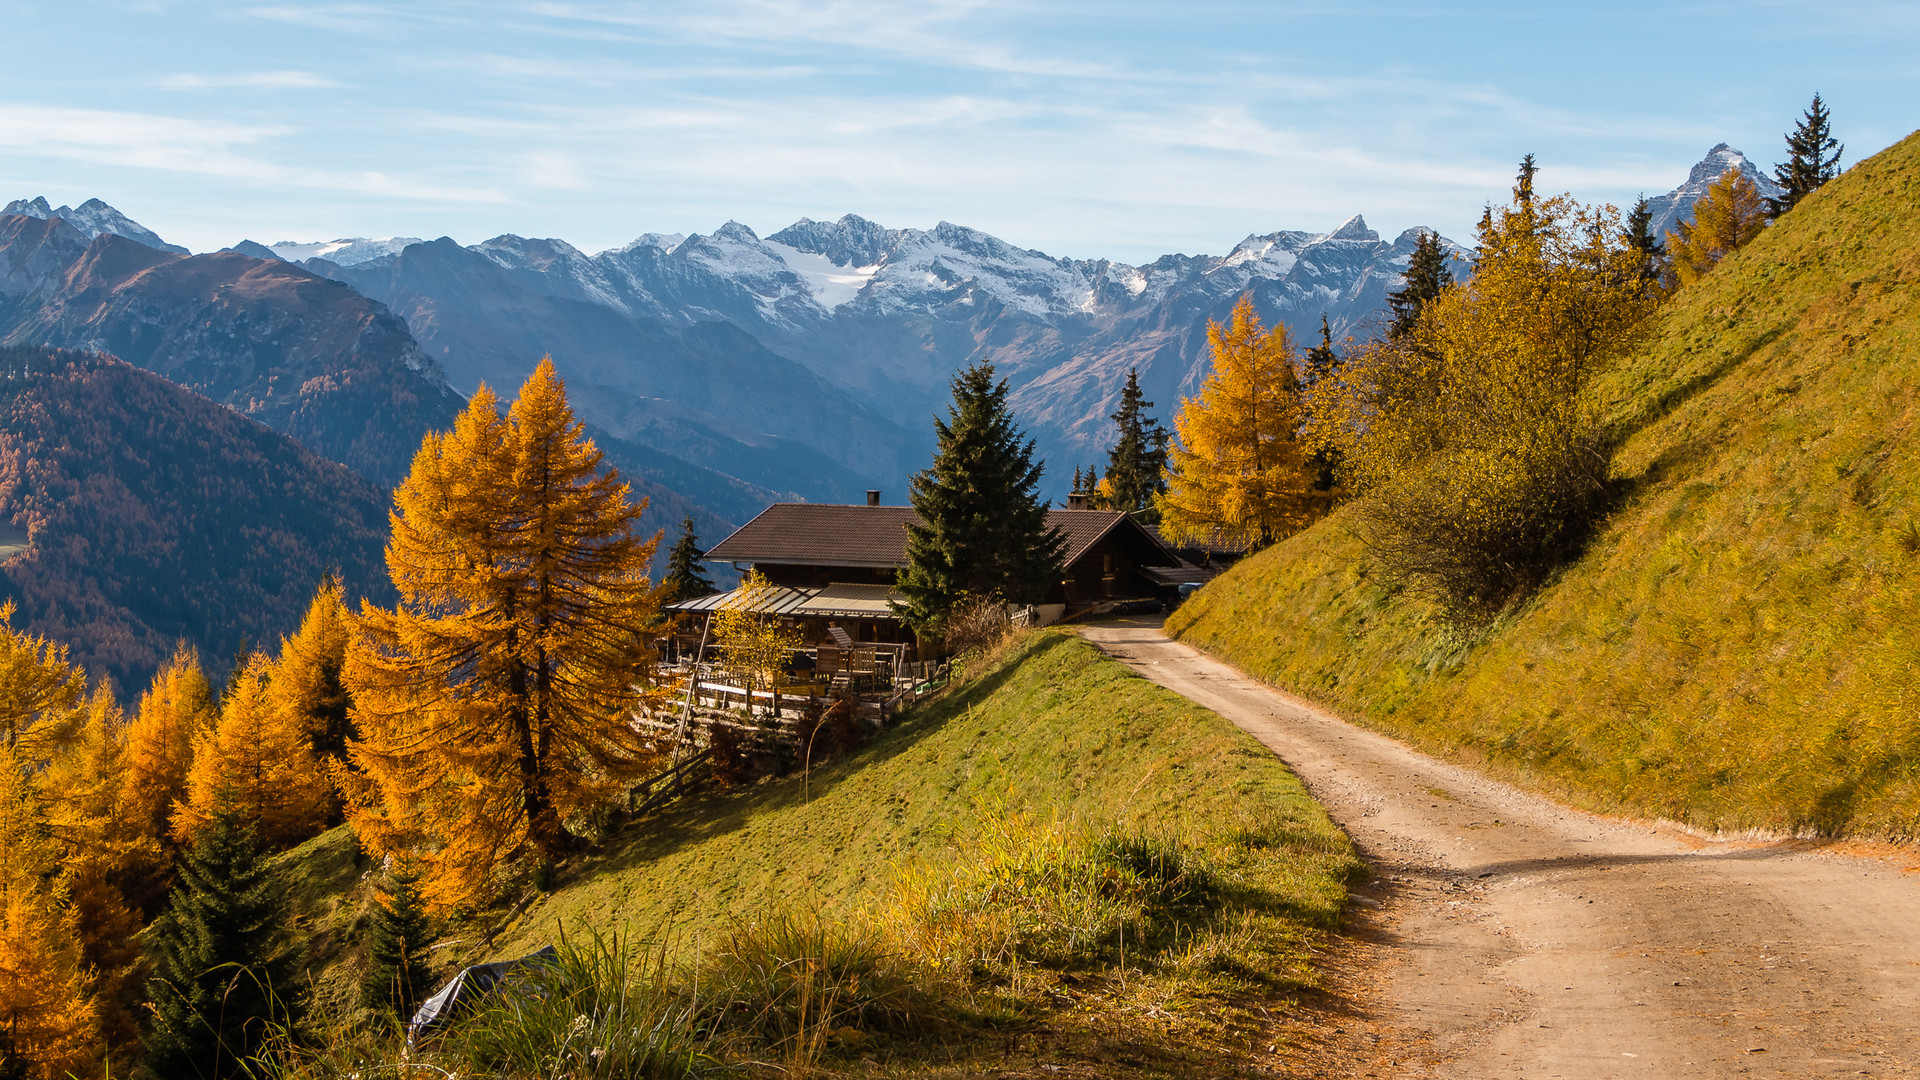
[(1509, 936)]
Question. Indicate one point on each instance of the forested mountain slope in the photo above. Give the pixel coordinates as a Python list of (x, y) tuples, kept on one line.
[(138, 514), (303, 355), (1738, 645)]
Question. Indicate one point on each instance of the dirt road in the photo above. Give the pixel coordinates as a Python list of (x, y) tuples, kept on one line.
[(1519, 938)]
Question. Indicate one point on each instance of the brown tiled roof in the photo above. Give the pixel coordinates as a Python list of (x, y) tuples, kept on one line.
[(827, 534)]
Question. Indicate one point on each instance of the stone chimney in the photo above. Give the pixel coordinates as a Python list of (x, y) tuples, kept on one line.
[(873, 496), (1077, 501)]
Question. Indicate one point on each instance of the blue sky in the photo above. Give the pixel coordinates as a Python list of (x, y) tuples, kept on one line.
[(1104, 129)]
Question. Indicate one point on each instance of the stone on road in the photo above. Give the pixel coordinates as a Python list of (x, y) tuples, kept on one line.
[(1517, 937)]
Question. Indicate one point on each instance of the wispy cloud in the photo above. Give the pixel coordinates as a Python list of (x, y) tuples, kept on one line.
[(254, 80), (207, 148)]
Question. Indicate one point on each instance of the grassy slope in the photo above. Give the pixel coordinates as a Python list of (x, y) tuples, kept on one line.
[(1738, 645), (1052, 729), (1055, 730)]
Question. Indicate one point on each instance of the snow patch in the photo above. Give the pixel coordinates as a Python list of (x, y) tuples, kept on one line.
[(350, 251), (830, 285)]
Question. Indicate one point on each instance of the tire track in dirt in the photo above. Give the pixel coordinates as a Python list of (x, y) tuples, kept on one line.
[(1518, 938)]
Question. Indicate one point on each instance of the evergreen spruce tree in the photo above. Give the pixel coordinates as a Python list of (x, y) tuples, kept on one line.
[(684, 581), (399, 977), (983, 529), (1321, 361), (1523, 185), (1320, 364), (1136, 466), (1640, 238), (1427, 276), (221, 979), (1813, 158)]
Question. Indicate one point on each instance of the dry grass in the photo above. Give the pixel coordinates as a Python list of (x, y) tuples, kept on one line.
[(1738, 646)]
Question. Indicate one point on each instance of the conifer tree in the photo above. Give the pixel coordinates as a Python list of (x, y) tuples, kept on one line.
[(1813, 158), (305, 685), (258, 759), (983, 530), (399, 975), (1318, 373), (221, 979), (494, 703), (47, 1016), (1640, 239), (177, 705), (102, 861), (1321, 361), (683, 580), (38, 689), (1731, 213), (1138, 460), (1426, 277), (1239, 470)]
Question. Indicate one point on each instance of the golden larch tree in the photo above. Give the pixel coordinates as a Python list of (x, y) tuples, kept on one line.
[(262, 759), (306, 687), (47, 1014), (495, 702), (1238, 470), (1731, 213), (38, 689), (81, 787), (160, 740)]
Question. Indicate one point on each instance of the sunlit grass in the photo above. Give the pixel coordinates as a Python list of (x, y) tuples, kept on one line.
[(1057, 855), (1738, 646)]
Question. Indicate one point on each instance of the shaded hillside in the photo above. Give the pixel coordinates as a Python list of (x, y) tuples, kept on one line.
[(1738, 646), (138, 514), (302, 354)]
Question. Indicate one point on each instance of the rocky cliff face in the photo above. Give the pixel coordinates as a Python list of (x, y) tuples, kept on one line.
[(305, 355)]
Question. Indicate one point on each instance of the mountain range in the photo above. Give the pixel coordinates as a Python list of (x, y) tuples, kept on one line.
[(725, 368), (719, 372)]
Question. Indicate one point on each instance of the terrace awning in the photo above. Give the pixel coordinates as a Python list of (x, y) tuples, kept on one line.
[(836, 601)]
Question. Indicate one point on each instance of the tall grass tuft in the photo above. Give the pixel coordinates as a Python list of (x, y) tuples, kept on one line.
[(609, 1007), (1044, 893), (788, 980)]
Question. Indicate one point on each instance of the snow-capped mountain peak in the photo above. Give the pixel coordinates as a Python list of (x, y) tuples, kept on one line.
[(1354, 228), (348, 251), (1677, 205), (666, 242), (94, 218)]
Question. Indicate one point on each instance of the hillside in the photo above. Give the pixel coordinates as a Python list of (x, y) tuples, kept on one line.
[(301, 354), (138, 514), (1737, 646), (1052, 731)]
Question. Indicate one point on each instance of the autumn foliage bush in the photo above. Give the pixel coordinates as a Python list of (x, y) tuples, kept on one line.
[(1481, 458)]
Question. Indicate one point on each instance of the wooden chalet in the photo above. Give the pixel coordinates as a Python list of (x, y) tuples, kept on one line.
[(833, 566)]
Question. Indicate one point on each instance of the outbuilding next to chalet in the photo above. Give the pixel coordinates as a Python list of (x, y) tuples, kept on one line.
[(834, 565)]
